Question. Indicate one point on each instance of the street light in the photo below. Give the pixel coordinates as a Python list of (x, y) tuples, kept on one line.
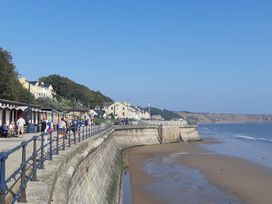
[(148, 103)]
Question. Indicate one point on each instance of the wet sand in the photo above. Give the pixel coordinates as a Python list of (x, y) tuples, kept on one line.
[(241, 181)]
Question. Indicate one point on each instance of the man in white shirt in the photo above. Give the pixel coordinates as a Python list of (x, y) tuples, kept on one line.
[(20, 124), (61, 128)]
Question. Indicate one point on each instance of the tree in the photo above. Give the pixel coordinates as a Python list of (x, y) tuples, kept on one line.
[(10, 87)]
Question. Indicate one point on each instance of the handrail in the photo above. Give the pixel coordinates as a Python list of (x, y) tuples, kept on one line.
[(13, 187)]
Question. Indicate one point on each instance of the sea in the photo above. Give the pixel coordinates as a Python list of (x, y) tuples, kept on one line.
[(251, 141), (176, 183)]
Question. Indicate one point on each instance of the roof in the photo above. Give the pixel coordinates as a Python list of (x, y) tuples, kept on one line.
[(39, 83), (50, 109), (17, 103), (78, 109), (33, 82), (107, 103)]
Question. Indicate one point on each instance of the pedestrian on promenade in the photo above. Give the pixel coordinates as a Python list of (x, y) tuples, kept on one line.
[(12, 129), (20, 124), (49, 129), (4, 129), (44, 126), (61, 128), (74, 126)]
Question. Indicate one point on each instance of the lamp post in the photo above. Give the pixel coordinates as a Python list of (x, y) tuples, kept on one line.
[(148, 103)]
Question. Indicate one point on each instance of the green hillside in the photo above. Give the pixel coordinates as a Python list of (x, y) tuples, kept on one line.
[(166, 114), (69, 90)]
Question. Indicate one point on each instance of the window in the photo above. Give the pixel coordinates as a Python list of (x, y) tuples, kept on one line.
[(123, 113)]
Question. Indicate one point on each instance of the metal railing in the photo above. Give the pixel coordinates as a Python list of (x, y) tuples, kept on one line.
[(13, 187), (182, 123)]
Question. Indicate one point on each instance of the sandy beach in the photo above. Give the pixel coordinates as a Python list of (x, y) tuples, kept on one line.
[(238, 180)]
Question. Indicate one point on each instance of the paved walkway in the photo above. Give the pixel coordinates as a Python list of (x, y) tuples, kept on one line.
[(14, 160), (11, 142)]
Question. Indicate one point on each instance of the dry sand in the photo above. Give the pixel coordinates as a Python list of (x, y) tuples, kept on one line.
[(239, 178)]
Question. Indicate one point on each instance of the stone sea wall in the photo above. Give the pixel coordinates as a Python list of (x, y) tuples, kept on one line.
[(94, 174)]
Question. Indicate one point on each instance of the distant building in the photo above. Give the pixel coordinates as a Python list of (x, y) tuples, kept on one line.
[(78, 111), (38, 89), (157, 117), (93, 113), (126, 110), (103, 107)]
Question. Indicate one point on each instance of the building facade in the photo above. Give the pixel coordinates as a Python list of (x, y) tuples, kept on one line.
[(38, 89), (126, 110)]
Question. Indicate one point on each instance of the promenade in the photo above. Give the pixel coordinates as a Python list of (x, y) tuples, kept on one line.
[(14, 160), (21, 157)]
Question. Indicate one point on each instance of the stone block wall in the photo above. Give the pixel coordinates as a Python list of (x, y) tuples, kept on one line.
[(177, 134), (97, 178), (94, 174)]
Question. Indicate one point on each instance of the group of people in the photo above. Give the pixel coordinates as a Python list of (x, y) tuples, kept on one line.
[(63, 126), (12, 129)]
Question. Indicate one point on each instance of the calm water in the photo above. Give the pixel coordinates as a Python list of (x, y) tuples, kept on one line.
[(252, 141)]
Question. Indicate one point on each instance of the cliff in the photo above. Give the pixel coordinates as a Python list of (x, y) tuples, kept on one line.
[(224, 118)]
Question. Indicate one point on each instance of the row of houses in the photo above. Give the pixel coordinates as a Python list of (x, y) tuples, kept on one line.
[(121, 110), (108, 109), (12, 111)]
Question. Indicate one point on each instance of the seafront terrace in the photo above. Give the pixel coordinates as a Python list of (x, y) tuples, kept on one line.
[(20, 158)]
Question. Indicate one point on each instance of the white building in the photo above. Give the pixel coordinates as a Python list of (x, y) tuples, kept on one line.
[(126, 110), (38, 89), (157, 117), (93, 113)]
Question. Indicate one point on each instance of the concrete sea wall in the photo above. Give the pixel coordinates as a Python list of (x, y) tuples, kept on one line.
[(94, 174)]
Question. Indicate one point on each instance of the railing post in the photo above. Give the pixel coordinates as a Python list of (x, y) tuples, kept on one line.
[(34, 155), (22, 195), (50, 147), (89, 130), (74, 132), (79, 134), (3, 184), (42, 152), (63, 141), (57, 150), (69, 138), (83, 133)]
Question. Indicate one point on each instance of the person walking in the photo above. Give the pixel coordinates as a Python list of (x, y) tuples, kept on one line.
[(12, 132), (20, 124), (44, 126), (4, 129), (74, 126), (61, 128)]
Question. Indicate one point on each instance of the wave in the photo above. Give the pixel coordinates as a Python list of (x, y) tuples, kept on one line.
[(253, 138)]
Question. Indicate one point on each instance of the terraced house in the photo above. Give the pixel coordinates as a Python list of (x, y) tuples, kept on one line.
[(126, 110)]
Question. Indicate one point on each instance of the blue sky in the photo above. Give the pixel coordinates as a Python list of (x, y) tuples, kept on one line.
[(205, 55)]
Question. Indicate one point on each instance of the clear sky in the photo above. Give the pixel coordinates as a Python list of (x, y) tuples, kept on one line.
[(205, 55)]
